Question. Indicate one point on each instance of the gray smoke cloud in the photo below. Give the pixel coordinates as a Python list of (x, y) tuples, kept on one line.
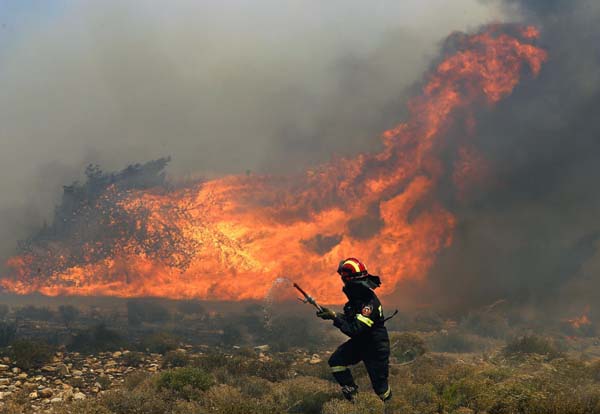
[(534, 237), (222, 87)]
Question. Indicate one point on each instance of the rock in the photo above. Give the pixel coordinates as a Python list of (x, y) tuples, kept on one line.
[(3, 367), (48, 368), (262, 348), (33, 395), (56, 400), (62, 370), (117, 354), (315, 359), (77, 373), (16, 370), (4, 381), (22, 376), (45, 393), (79, 396)]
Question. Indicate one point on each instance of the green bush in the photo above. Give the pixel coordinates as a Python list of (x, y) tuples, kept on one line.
[(28, 354), (407, 346), (185, 382)]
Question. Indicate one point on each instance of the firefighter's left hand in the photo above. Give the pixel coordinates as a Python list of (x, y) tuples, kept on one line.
[(326, 314)]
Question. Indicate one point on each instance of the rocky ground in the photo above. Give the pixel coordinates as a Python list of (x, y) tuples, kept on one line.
[(72, 376)]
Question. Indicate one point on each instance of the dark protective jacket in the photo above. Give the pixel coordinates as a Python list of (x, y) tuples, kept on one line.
[(363, 318)]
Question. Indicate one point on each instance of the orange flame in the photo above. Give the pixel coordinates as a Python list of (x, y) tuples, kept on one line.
[(240, 233), (580, 321)]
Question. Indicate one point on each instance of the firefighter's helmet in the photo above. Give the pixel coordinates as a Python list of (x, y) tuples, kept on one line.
[(351, 269), (354, 272)]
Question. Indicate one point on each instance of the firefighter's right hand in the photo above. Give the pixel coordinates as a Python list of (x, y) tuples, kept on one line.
[(325, 313)]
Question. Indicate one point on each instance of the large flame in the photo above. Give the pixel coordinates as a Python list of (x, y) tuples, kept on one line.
[(237, 234)]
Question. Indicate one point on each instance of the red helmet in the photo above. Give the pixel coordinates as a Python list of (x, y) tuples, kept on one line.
[(352, 269)]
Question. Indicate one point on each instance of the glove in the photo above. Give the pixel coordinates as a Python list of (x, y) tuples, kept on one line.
[(326, 314)]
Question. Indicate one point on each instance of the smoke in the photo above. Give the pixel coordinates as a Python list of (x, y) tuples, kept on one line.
[(222, 87), (533, 235)]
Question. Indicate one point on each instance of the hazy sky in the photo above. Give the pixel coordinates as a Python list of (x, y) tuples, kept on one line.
[(221, 86)]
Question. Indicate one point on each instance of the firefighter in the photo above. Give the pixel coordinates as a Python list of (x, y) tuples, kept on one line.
[(363, 322)]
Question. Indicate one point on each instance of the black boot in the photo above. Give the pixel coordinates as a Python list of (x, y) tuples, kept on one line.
[(350, 391)]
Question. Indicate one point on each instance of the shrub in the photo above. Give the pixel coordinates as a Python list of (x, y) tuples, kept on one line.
[(134, 379), (366, 403), (28, 354), (274, 370), (531, 344), (225, 399), (304, 394), (254, 387), (407, 346), (104, 382), (185, 382), (141, 400), (175, 359)]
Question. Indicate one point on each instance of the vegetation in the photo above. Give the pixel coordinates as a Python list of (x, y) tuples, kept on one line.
[(441, 368), (185, 382), (407, 346), (532, 344), (30, 354)]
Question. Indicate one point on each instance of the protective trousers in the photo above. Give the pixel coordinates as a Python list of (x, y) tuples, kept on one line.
[(376, 361)]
